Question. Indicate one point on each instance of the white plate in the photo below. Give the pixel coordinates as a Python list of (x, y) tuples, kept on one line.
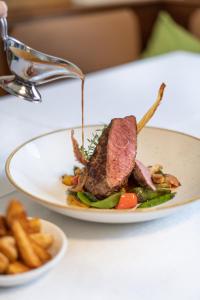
[(35, 168), (57, 251)]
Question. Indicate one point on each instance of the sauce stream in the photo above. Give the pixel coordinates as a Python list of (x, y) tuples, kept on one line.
[(32, 58), (82, 109)]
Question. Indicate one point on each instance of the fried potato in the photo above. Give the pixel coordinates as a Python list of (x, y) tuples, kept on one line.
[(28, 255), (34, 225), (8, 248), (44, 240), (22, 244), (4, 263), (42, 253), (31, 225), (16, 268), (3, 227), (15, 211)]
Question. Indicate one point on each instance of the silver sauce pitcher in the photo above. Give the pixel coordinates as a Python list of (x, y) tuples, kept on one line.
[(31, 68)]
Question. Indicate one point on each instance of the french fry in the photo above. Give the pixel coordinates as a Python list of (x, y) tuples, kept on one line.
[(16, 268), (28, 255), (15, 211), (8, 248), (3, 227), (4, 263), (42, 253), (34, 225), (44, 240), (30, 225), (22, 244)]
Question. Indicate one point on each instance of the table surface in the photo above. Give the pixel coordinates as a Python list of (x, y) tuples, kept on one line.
[(152, 260)]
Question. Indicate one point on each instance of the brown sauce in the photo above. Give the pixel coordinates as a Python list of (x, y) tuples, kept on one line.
[(82, 109), (26, 55)]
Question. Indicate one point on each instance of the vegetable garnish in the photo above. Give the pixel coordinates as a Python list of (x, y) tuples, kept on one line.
[(142, 196), (127, 200), (152, 110), (92, 143), (69, 180), (157, 201), (129, 197), (109, 202), (145, 194)]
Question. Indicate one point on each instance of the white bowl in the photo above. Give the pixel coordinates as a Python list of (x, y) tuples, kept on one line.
[(35, 168), (57, 251)]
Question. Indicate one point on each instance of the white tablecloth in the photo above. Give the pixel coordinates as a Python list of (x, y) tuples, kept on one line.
[(154, 260)]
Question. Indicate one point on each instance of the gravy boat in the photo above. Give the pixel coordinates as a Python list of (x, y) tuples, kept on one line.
[(31, 68)]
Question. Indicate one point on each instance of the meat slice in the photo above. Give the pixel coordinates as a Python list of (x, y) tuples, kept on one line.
[(142, 175), (114, 157)]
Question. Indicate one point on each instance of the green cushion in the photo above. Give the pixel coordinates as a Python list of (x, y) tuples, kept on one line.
[(168, 36)]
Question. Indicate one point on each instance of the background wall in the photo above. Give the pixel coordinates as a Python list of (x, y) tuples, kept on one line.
[(17, 4)]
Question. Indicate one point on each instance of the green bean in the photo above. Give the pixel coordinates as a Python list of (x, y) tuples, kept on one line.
[(157, 201), (91, 197), (145, 194), (108, 202)]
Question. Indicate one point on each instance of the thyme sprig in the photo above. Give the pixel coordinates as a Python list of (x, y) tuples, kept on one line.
[(93, 141)]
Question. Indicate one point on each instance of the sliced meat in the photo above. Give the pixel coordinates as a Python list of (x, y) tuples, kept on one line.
[(77, 153), (114, 157), (142, 175)]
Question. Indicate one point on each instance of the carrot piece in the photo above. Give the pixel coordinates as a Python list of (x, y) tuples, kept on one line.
[(127, 200)]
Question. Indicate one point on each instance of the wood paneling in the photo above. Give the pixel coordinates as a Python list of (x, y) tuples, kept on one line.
[(147, 11), (23, 10)]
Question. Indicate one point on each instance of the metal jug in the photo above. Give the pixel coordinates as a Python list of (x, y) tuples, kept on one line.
[(31, 68)]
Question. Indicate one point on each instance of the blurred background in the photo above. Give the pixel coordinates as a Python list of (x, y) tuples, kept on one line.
[(98, 34)]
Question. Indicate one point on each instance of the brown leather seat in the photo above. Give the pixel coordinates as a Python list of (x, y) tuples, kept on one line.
[(92, 41), (194, 23)]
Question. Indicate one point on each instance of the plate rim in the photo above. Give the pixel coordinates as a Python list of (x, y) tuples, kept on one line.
[(91, 210)]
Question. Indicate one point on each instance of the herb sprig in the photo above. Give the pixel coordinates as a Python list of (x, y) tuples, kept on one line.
[(88, 152)]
